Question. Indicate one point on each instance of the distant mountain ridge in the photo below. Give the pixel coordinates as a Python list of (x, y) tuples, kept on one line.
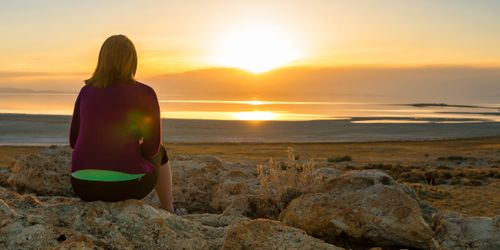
[(415, 84), (430, 84)]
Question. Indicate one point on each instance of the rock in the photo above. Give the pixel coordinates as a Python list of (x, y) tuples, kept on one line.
[(326, 173), (353, 180), (200, 183), (215, 220), (357, 208), (269, 234), (46, 172), (4, 175), (234, 184), (65, 223), (254, 206), (323, 175), (454, 231), (364, 206), (194, 179)]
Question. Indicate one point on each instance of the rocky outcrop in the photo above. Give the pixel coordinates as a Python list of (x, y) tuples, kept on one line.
[(204, 184), (454, 231), (325, 174), (269, 234), (31, 222), (27, 222), (194, 179), (46, 172), (354, 209), (364, 207), (353, 180), (234, 185)]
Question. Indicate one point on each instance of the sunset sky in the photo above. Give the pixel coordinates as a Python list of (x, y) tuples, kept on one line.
[(322, 52), (63, 37)]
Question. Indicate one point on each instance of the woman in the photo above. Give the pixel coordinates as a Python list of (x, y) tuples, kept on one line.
[(116, 133)]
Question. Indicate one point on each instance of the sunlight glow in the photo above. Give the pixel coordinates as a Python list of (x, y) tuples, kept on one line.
[(255, 103), (258, 49), (255, 116)]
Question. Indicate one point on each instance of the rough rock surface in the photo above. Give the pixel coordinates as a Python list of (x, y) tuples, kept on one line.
[(364, 206), (45, 173), (353, 180), (204, 184), (454, 231), (234, 185), (194, 179), (269, 234), (356, 209), (28, 222), (325, 174)]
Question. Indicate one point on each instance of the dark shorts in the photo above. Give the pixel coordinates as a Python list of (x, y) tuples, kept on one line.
[(120, 190)]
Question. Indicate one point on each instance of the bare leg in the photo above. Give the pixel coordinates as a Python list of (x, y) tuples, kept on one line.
[(164, 187)]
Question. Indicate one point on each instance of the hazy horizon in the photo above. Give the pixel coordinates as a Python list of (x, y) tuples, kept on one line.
[(300, 93)]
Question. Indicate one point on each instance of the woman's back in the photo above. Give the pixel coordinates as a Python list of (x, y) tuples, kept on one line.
[(109, 124)]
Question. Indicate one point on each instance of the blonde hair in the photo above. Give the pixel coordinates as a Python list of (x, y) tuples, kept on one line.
[(117, 62)]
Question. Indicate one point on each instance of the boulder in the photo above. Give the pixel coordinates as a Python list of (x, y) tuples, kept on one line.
[(46, 172), (239, 194), (322, 175), (233, 186), (362, 206), (27, 222), (454, 231), (270, 234), (215, 220), (355, 180), (194, 179)]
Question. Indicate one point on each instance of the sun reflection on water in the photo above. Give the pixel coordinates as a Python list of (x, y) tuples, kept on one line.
[(255, 116)]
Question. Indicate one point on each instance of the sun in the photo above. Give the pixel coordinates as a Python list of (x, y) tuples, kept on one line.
[(257, 48)]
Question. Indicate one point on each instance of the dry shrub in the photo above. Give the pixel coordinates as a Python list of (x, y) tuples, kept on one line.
[(284, 181)]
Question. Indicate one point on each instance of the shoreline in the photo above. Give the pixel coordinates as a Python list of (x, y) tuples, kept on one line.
[(53, 130), (458, 139)]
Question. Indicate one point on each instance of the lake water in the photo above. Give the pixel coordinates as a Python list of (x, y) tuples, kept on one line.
[(44, 118), (187, 107)]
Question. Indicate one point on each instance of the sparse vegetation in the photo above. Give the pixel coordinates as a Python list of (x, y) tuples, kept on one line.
[(340, 158), (456, 158), (435, 175), (283, 181)]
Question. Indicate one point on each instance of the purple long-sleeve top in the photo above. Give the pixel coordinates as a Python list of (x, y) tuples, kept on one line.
[(115, 128)]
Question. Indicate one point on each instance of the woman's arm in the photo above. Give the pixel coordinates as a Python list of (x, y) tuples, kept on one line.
[(75, 123), (151, 127)]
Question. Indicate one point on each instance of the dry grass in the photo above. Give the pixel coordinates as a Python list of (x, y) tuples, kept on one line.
[(473, 201), (9, 153), (281, 181)]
